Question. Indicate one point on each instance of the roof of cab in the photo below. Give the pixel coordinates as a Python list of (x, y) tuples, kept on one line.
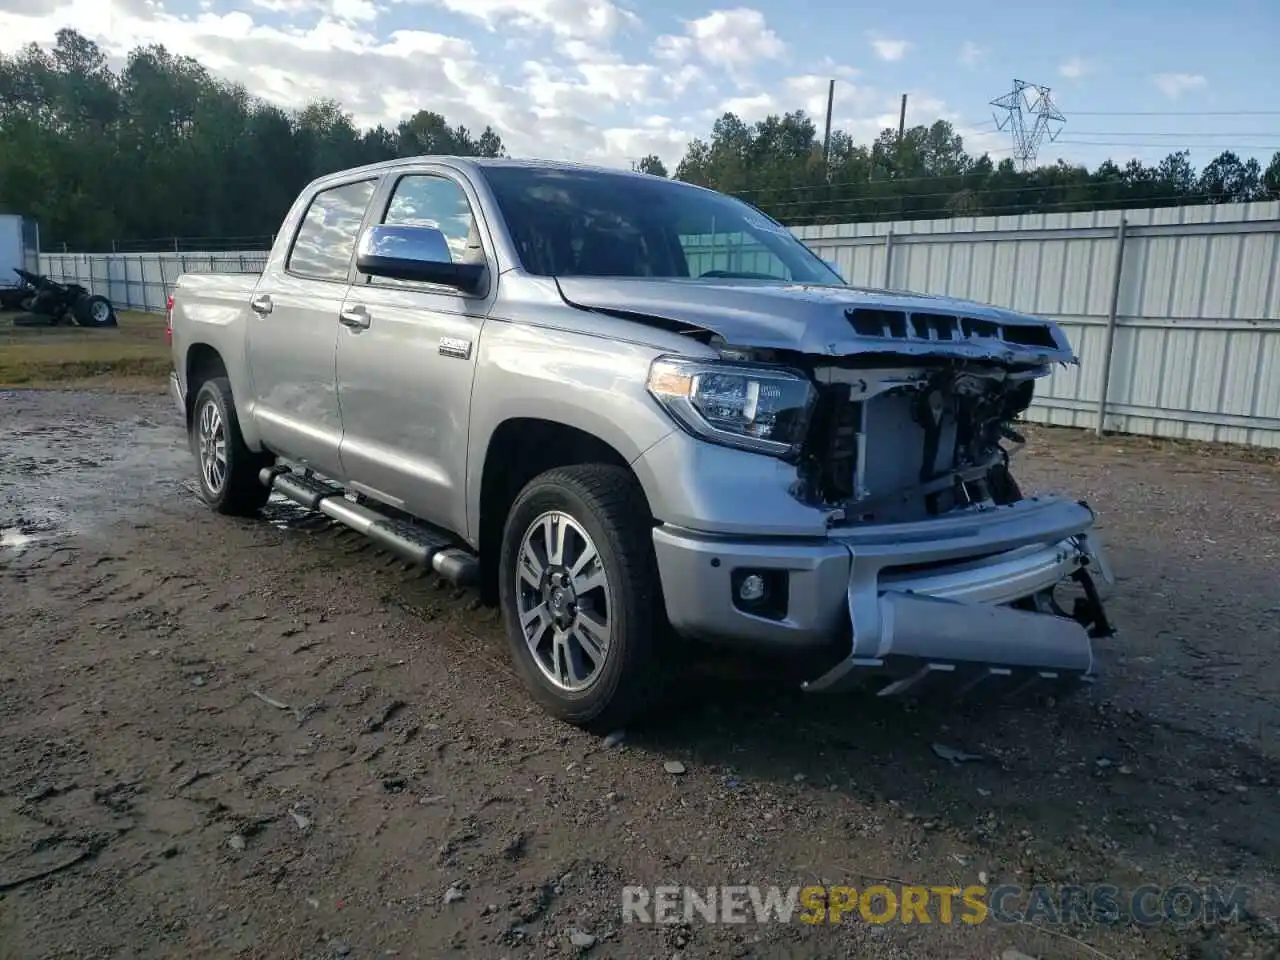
[(464, 163)]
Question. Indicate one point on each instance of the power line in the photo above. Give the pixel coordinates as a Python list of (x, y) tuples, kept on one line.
[(1176, 113), (1150, 113), (946, 192), (1017, 200), (949, 184), (1171, 133), (1166, 146), (909, 211)]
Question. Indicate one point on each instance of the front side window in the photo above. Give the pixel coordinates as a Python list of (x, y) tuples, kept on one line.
[(327, 237), (426, 200), (595, 223)]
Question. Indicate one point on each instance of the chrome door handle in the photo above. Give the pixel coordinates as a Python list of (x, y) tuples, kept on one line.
[(261, 304), (354, 317)]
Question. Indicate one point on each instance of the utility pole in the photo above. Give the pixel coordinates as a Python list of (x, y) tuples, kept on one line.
[(902, 126), (826, 139)]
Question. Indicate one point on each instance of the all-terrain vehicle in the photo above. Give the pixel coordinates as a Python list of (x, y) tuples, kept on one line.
[(17, 296), (47, 302)]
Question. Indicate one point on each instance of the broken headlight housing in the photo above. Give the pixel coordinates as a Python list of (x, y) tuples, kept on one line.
[(753, 408)]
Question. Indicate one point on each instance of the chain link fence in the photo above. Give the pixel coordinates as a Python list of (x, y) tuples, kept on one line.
[(143, 281)]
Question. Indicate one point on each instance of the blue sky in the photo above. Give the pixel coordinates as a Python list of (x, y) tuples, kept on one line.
[(612, 80)]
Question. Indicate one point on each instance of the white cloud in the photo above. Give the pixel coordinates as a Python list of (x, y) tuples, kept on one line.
[(749, 109), (634, 143), (352, 11), (687, 78), (1173, 85), (887, 49), (598, 19), (676, 49), (827, 66), (552, 93), (971, 54), (734, 38), (850, 101), (1075, 68)]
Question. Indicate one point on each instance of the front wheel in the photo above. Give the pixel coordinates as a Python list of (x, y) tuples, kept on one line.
[(581, 597), (228, 469)]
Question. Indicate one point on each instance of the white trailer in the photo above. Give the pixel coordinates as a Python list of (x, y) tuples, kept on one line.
[(12, 248)]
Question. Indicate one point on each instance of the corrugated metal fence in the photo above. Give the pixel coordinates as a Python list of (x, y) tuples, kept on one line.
[(1177, 310), (143, 281)]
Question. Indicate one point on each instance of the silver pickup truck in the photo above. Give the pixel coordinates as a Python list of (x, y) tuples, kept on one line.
[(638, 414)]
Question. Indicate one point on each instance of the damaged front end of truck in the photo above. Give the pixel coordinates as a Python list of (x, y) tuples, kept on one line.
[(955, 578)]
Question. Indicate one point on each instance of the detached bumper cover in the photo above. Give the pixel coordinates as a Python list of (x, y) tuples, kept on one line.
[(921, 603)]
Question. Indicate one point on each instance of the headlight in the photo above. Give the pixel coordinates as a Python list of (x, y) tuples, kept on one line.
[(757, 409)]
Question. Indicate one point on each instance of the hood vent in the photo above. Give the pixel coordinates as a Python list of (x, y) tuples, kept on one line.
[(901, 325)]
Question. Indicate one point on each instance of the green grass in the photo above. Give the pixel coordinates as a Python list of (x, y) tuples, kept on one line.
[(132, 356)]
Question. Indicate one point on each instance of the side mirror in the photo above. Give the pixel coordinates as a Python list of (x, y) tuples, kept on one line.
[(415, 253)]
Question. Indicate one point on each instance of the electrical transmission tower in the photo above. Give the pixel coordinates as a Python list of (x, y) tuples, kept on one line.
[(1031, 114)]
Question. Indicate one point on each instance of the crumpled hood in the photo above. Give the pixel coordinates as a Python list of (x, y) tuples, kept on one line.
[(827, 319)]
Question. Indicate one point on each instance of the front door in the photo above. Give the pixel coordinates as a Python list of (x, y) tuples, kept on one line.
[(406, 358), (293, 331)]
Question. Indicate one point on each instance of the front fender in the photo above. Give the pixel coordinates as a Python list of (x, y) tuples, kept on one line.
[(594, 384)]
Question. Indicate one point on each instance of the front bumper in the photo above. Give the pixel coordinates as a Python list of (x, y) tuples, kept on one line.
[(917, 602)]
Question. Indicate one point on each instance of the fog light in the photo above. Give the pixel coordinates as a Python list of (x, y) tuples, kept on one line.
[(752, 588), (761, 592)]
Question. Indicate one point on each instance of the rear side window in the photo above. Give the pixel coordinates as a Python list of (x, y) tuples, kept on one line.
[(327, 237)]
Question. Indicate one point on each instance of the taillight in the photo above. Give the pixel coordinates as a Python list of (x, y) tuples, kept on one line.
[(168, 320)]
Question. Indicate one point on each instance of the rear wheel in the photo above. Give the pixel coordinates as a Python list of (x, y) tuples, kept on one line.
[(228, 469), (581, 597)]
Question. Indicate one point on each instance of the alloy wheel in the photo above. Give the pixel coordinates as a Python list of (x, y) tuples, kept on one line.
[(564, 601)]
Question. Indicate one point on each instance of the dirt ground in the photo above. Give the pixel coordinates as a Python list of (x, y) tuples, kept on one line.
[(263, 739)]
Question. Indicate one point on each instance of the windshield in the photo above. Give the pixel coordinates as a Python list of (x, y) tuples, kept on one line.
[(587, 223)]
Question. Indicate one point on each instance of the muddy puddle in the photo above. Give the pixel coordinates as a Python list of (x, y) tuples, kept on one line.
[(73, 462)]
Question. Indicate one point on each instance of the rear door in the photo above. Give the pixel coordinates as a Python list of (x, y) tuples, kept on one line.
[(405, 370), (293, 329)]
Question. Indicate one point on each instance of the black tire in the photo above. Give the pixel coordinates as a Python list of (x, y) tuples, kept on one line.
[(94, 311), (240, 493), (608, 503)]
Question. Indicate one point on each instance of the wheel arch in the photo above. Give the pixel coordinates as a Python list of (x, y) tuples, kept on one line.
[(203, 363), (519, 449)]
